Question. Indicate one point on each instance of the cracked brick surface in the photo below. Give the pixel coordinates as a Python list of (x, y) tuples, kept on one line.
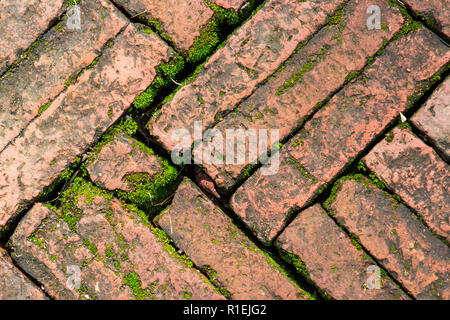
[(331, 260), (213, 242), (118, 255), (339, 131), (76, 118), (59, 56), (13, 284), (395, 237), (21, 23), (434, 118), (417, 174), (181, 20)]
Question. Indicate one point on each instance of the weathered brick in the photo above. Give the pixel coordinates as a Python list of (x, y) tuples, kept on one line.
[(230, 4), (214, 243), (21, 23), (308, 78), (77, 117), (395, 237), (340, 130), (250, 55), (330, 258), (118, 254), (417, 174), (13, 284), (434, 118), (132, 169), (434, 12), (181, 20), (120, 158), (59, 56)]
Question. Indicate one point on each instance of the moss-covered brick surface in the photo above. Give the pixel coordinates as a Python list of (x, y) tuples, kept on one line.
[(123, 164), (108, 244)]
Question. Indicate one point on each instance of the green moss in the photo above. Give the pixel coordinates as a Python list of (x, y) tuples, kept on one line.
[(68, 210), (92, 248), (336, 18), (134, 282), (43, 108)]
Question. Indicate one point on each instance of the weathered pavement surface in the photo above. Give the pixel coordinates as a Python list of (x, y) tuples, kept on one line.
[(93, 205)]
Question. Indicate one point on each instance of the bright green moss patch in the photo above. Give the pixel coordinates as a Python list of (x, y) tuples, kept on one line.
[(134, 282), (68, 210), (43, 108)]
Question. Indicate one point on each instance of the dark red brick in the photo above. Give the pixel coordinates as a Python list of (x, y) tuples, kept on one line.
[(214, 243), (417, 174), (340, 130), (395, 237), (330, 258)]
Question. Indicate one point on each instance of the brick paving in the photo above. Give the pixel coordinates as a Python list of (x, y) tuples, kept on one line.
[(93, 205)]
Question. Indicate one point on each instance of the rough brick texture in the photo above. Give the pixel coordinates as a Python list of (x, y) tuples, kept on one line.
[(59, 56), (118, 255), (211, 240), (340, 130), (434, 12), (434, 118), (120, 158), (76, 118), (330, 258), (250, 55), (230, 4), (21, 23), (417, 174), (13, 284), (181, 20), (395, 237), (332, 55)]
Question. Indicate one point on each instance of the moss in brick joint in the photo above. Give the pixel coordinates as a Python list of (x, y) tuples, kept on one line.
[(163, 238)]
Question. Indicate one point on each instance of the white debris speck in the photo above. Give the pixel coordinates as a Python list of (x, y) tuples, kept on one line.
[(402, 117)]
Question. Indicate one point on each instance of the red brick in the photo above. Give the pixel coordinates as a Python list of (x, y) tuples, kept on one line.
[(435, 12), (13, 284), (120, 158), (76, 118), (119, 243), (181, 20), (60, 55), (340, 130), (211, 240), (21, 23), (230, 4), (334, 53), (330, 258), (434, 118), (417, 174), (250, 55), (395, 237)]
